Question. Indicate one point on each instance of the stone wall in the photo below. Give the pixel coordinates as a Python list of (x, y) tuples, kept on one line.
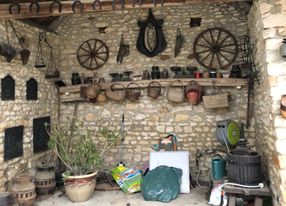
[(147, 120), (21, 111), (267, 23)]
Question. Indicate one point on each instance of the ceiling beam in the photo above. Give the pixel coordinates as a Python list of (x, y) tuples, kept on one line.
[(106, 5)]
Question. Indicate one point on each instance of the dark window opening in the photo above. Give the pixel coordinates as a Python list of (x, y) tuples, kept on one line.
[(40, 134), (13, 142)]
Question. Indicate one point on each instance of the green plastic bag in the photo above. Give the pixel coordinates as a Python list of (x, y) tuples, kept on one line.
[(162, 184), (129, 180)]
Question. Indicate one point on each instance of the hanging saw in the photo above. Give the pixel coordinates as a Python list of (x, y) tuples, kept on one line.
[(179, 42)]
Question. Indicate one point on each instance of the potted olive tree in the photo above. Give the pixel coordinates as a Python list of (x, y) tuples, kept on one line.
[(76, 148)]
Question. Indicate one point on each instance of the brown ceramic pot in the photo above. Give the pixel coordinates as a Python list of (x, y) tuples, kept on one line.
[(24, 189), (45, 181)]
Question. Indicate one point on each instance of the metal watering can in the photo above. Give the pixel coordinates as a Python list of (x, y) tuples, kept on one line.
[(218, 167)]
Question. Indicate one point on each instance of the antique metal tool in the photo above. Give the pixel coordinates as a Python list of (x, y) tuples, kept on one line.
[(6, 49), (179, 42), (123, 50), (25, 53)]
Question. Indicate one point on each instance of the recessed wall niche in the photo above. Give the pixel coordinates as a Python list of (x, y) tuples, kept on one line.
[(8, 88), (40, 134), (13, 142), (31, 89)]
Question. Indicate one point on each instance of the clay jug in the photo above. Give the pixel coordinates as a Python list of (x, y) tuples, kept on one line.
[(45, 181), (24, 189)]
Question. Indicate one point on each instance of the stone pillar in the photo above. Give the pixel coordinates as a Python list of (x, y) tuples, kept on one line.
[(267, 23)]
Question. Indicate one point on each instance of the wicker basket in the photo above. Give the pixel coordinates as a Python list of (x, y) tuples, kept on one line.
[(92, 91), (216, 101), (133, 92), (176, 93), (118, 94), (154, 89)]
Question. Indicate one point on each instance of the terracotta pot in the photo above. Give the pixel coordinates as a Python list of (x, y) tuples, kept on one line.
[(45, 181), (24, 189), (80, 188)]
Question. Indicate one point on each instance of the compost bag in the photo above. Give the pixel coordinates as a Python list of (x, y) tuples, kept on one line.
[(161, 184)]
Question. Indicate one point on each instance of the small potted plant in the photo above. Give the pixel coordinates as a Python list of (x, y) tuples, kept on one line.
[(75, 147)]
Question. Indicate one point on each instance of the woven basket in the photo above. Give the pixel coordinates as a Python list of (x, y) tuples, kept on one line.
[(92, 91), (176, 93), (216, 101), (116, 95), (101, 98), (133, 93), (154, 89)]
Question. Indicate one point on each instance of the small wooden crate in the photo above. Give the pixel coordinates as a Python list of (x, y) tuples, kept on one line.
[(216, 101)]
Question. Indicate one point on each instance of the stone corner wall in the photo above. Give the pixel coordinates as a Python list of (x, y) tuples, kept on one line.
[(20, 112), (267, 23)]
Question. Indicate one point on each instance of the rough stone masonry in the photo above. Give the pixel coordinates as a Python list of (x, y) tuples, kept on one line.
[(147, 120)]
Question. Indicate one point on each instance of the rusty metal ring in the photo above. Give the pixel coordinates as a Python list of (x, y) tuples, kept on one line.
[(17, 6), (56, 3), (77, 3), (34, 4), (94, 4)]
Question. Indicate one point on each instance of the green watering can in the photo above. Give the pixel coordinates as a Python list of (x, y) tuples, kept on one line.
[(218, 167)]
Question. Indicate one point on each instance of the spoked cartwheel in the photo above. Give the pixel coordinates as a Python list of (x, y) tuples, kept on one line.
[(215, 48), (92, 54)]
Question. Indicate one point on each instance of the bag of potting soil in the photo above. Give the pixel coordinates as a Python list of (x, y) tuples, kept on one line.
[(128, 179), (162, 184)]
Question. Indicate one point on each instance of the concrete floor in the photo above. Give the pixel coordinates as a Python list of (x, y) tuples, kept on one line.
[(118, 198)]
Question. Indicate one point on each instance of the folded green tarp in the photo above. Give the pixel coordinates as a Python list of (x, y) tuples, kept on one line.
[(161, 184)]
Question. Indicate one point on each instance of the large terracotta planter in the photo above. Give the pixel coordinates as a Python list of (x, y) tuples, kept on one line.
[(80, 188)]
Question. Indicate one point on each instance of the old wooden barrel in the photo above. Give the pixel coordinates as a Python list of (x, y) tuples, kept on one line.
[(244, 167)]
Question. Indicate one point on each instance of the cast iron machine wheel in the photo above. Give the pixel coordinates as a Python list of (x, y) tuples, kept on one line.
[(92, 54), (215, 48)]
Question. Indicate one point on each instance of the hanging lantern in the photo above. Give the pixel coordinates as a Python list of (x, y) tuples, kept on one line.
[(40, 63), (283, 48), (52, 71)]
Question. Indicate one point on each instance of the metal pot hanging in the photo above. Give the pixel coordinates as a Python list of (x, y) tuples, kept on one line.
[(194, 93)]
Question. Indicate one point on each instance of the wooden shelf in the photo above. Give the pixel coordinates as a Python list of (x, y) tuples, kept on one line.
[(75, 92)]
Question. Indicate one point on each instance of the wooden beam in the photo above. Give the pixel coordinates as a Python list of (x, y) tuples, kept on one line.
[(74, 93), (67, 8), (88, 8), (223, 82)]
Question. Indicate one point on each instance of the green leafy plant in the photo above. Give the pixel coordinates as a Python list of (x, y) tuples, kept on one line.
[(75, 147)]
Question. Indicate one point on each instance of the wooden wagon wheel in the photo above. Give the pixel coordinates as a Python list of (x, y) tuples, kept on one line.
[(215, 48), (92, 54)]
